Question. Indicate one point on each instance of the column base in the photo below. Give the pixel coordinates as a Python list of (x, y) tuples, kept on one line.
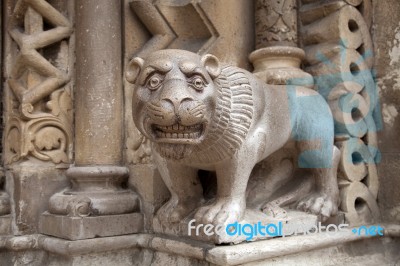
[(280, 65), (77, 228), (97, 205)]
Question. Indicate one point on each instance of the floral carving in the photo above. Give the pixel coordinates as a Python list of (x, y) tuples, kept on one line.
[(39, 122)]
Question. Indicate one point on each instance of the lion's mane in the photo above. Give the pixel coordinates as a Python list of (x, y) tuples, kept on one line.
[(232, 118)]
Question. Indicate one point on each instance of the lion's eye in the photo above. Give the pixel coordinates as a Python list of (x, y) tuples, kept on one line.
[(198, 83), (154, 82)]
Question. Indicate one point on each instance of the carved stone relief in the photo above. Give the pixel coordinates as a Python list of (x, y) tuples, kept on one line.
[(38, 120), (170, 126), (202, 115), (276, 23), (38, 69), (196, 26), (191, 25), (277, 58)]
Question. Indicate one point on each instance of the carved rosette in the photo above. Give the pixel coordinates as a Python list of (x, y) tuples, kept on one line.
[(339, 54), (39, 120)]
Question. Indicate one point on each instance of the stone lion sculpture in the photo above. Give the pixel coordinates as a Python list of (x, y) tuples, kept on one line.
[(200, 114)]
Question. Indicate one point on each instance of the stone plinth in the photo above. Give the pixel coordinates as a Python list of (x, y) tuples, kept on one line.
[(146, 249)]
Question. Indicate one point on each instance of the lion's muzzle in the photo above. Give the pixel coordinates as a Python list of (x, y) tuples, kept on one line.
[(173, 123)]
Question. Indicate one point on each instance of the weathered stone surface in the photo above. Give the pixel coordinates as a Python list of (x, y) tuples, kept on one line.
[(5, 225), (387, 48), (147, 249), (96, 204), (75, 228), (153, 193), (31, 188)]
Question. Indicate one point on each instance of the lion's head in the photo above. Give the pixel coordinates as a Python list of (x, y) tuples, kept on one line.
[(183, 103)]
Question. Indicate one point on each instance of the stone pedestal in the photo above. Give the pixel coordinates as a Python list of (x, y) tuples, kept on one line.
[(249, 228), (145, 249)]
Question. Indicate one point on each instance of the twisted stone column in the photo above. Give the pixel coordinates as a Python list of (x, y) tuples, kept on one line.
[(97, 204), (277, 58)]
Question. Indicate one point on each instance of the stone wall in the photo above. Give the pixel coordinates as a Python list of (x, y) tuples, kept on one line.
[(386, 35)]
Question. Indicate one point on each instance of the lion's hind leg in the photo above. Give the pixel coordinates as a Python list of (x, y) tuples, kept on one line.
[(297, 190), (324, 200)]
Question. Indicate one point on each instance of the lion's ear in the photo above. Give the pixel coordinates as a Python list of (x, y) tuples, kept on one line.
[(211, 63), (133, 69)]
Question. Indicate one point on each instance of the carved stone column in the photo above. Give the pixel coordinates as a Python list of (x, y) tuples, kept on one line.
[(277, 58), (37, 104), (97, 203)]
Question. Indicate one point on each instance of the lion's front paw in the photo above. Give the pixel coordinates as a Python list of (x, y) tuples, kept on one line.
[(319, 204), (173, 211), (274, 210), (223, 211)]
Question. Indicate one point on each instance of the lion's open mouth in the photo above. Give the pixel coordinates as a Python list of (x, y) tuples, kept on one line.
[(178, 132)]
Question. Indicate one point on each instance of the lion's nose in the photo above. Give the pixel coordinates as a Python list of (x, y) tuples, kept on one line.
[(177, 102)]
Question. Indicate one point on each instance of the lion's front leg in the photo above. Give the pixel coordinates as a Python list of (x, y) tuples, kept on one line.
[(230, 202), (185, 188)]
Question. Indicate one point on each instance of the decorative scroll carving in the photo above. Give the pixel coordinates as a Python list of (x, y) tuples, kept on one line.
[(201, 115), (339, 55), (276, 23), (39, 122)]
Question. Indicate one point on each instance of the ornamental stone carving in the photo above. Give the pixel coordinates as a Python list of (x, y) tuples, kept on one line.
[(276, 22), (39, 120), (202, 115)]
